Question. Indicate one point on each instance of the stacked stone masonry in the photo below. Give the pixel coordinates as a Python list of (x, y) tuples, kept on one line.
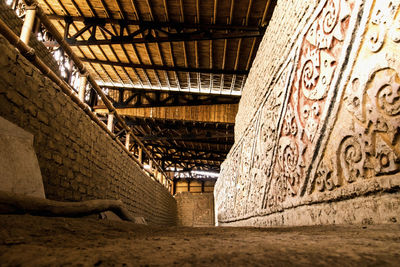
[(322, 146), (78, 159)]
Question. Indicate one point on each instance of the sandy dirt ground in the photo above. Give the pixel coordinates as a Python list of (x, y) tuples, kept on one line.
[(38, 241)]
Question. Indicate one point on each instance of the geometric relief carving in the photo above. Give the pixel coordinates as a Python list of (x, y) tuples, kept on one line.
[(365, 138), (318, 59), (225, 187), (232, 179), (244, 175), (266, 137)]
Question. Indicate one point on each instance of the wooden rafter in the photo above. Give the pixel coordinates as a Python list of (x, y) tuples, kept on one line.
[(152, 67), (167, 68)]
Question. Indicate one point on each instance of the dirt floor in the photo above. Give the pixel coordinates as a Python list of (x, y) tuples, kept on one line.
[(38, 241)]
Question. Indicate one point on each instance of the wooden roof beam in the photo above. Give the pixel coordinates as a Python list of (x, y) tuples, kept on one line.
[(190, 159), (166, 68), (187, 150), (220, 113), (153, 99), (179, 37), (160, 24), (171, 92)]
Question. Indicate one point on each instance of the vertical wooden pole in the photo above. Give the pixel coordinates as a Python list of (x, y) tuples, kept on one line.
[(140, 154), (156, 175), (110, 122), (28, 24), (82, 87), (173, 187), (151, 167), (202, 186), (128, 141)]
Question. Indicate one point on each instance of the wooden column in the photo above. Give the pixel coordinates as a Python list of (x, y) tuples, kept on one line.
[(110, 122), (28, 24), (82, 87), (173, 187), (128, 141), (140, 152), (156, 175)]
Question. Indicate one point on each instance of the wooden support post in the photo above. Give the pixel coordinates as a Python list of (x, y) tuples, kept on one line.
[(202, 186), (110, 122), (173, 187), (28, 24), (188, 185), (82, 87), (156, 175), (128, 141), (140, 152)]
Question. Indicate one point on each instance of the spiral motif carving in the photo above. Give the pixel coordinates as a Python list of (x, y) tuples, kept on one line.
[(376, 39), (330, 18), (388, 99), (308, 74), (350, 155), (290, 157)]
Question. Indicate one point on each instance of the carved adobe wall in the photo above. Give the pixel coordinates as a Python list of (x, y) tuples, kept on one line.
[(195, 210), (323, 147)]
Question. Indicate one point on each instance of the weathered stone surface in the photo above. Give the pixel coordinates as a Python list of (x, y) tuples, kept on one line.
[(335, 134), (19, 167)]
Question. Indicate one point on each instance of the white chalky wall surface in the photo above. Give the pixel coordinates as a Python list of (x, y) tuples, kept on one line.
[(322, 143)]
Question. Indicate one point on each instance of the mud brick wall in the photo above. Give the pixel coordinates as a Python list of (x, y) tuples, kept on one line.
[(77, 159), (195, 209), (322, 146), (15, 23)]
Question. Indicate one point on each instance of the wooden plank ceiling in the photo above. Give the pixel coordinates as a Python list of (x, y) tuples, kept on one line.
[(174, 68)]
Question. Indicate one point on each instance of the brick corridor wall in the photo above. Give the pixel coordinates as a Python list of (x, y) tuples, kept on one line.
[(78, 160), (317, 132)]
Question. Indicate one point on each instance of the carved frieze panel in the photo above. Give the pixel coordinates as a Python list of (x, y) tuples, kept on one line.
[(319, 63), (330, 125), (225, 188), (266, 137), (364, 142), (243, 174)]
